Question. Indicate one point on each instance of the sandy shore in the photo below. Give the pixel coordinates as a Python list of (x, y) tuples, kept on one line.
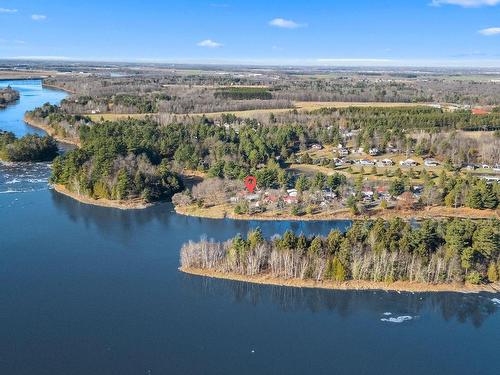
[(399, 286), (123, 205), (39, 125), (437, 212)]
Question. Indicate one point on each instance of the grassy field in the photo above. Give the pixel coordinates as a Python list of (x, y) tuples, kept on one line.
[(117, 116)]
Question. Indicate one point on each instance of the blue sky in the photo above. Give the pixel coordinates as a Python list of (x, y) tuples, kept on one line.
[(347, 32)]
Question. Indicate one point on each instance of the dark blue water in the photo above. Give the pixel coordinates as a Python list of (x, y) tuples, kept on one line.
[(92, 290)]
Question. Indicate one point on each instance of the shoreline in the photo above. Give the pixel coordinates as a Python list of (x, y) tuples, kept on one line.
[(55, 87), (435, 212), (398, 286), (50, 131), (122, 205)]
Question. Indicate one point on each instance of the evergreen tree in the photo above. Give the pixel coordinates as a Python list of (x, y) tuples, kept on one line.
[(492, 273)]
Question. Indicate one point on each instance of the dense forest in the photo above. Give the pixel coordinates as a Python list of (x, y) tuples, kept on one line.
[(28, 148), (370, 118), (241, 93), (123, 160), (451, 251), (7, 96)]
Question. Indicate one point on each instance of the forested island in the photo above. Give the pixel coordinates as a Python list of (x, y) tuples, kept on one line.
[(435, 255), (7, 96), (30, 148)]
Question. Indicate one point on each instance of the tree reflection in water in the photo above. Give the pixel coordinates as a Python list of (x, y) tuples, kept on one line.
[(464, 308)]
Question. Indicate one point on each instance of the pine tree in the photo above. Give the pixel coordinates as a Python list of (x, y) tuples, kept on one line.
[(474, 199), (122, 184), (339, 271), (492, 273), (489, 198)]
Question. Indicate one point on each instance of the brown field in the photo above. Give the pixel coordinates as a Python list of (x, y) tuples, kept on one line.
[(117, 116), (25, 74), (227, 211), (309, 106)]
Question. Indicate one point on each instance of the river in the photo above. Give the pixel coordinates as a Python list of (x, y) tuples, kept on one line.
[(94, 290)]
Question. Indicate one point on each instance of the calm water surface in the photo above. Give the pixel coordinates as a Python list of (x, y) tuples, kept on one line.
[(92, 290)]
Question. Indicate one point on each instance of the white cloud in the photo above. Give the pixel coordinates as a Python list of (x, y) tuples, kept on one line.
[(6, 10), (208, 43), (16, 41), (466, 3), (286, 24), (490, 31), (38, 17)]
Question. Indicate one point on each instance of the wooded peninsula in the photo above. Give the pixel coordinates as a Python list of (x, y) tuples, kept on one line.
[(435, 255)]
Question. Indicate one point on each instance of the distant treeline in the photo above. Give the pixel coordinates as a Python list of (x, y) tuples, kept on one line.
[(243, 93), (28, 148), (457, 250), (119, 103), (411, 118)]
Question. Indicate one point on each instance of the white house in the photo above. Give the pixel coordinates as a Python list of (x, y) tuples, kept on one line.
[(408, 163), (343, 151), (366, 162), (431, 163), (316, 146), (386, 162)]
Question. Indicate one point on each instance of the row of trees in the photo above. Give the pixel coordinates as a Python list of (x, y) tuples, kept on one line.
[(372, 118), (28, 148), (243, 93), (433, 252)]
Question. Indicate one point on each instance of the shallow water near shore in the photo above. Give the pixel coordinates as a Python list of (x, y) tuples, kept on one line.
[(94, 290)]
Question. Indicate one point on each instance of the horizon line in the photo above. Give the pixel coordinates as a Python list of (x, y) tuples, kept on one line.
[(318, 62)]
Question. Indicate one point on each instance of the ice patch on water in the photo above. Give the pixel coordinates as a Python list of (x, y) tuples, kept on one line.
[(387, 313), (496, 301), (10, 191), (398, 319)]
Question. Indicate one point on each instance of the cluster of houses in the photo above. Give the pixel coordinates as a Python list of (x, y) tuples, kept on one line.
[(280, 198), (342, 152)]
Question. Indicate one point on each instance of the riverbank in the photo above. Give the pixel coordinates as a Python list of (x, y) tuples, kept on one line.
[(49, 86), (398, 286), (435, 212), (133, 204), (50, 131)]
